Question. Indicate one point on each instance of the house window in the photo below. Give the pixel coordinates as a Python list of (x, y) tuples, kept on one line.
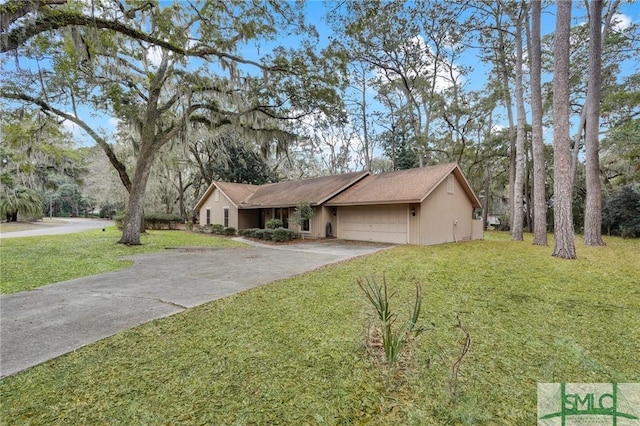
[(450, 182), (216, 195), (306, 226), (226, 217), (208, 217)]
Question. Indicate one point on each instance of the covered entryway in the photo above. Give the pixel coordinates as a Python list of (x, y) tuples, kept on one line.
[(381, 223)]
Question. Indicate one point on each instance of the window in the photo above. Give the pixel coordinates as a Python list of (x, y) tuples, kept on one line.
[(450, 182), (226, 217), (208, 217), (305, 226), (216, 195)]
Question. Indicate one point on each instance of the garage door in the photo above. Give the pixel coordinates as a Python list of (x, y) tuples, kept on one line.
[(386, 224)]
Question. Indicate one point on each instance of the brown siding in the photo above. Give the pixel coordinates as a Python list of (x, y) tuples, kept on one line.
[(414, 224), (217, 209), (440, 212)]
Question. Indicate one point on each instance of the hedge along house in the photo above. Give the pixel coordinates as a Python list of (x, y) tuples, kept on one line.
[(424, 206)]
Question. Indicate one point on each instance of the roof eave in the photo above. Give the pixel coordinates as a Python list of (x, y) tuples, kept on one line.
[(371, 203)]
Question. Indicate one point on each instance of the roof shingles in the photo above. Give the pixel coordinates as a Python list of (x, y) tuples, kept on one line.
[(316, 191), (409, 186)]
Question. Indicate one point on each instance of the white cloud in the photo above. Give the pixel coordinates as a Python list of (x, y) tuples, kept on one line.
[(621, 22), (154, 55), (421, 57)]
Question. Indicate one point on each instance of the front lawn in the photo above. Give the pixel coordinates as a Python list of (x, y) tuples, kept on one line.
[(293, 352), (30, 262)]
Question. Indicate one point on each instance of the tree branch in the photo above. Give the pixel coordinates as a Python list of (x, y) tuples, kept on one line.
[(120, 167)]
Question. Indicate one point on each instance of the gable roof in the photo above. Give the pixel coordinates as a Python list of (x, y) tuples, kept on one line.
[(236, 192), (284, 194), (404, 186), (287, 194)]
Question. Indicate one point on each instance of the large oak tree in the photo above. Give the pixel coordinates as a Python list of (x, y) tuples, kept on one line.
[(159, 69)]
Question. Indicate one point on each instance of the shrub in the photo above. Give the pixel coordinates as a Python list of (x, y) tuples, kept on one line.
[(157, 220), (621, 212), (248, 232), (229, 231), (274, 223), (282, 234), (118, 218), (189, 225), (263, 234), (217, 229)]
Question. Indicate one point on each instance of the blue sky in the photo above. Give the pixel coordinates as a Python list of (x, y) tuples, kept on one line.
[(315, 11)]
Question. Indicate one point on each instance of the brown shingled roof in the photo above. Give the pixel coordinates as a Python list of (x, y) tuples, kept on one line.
[(316, 191), (236, 192), (404, 186)]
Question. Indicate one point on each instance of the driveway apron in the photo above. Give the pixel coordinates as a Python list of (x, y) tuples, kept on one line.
[(49, 321)]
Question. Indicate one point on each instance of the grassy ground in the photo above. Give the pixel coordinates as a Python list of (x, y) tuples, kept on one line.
[(31, 262), (293, 352)]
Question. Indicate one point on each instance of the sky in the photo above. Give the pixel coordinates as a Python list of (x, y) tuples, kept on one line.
[(315, 11)]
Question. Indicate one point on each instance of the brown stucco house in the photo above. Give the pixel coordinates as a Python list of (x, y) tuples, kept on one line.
[(424, 206)]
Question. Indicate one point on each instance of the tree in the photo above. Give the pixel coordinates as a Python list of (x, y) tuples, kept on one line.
[(107, 60), (16, 199), (517, 17), (537, 142), (302, 215), (593, 202), (564, 244), (621, 212)]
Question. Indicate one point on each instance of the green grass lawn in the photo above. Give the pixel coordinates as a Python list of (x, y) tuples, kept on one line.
[(293, 352), (30, 262)]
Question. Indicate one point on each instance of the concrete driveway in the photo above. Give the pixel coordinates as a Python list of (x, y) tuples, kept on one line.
[(44, 323), (64, 226)]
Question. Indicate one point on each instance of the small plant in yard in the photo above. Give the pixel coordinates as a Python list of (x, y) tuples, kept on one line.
[(393, 338), (274, 224), (453, 377), (217, 229)]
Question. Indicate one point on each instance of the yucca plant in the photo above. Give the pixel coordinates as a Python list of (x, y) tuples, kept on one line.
[(393, 338)]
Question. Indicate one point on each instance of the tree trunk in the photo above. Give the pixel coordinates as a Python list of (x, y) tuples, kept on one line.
[(134, 218), (593, 200), (539, 195), (564, 244), (518, 183), (485, 201), (502, 58), (611, 13)]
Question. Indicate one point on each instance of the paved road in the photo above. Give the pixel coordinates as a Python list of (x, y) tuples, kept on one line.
[(69, 226), (44, 323)]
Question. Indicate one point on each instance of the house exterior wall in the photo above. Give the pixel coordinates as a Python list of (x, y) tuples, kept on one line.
[(414, 223), (216, 202), (446, 217)]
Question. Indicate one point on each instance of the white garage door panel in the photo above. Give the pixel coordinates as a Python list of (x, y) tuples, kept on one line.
[(374, 223)]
